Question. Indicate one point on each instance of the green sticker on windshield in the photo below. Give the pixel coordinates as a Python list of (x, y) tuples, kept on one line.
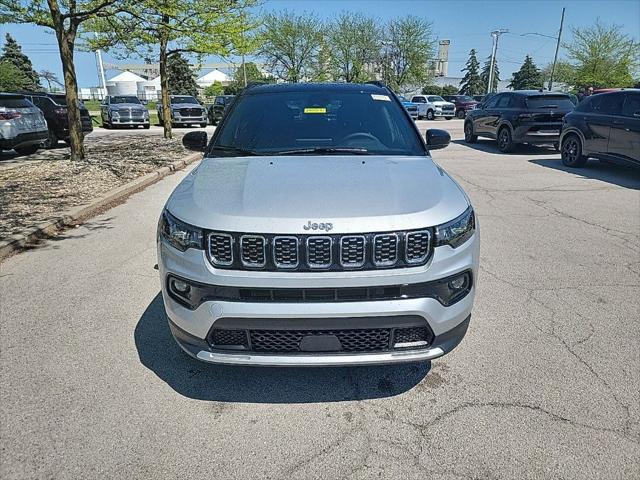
[(315, 110)]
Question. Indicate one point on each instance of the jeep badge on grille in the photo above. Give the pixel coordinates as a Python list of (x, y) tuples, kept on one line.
[(318, 226)]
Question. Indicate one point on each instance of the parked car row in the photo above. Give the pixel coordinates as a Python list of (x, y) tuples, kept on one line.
[(604, 126), (22, 124)]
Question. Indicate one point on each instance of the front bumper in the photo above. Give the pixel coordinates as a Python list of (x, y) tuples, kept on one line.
[(191, 328), (445, 113), (181, 119)]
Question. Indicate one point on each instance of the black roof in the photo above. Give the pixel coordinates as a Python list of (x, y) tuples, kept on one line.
[(537, 93), (11, 95), (315, 87)]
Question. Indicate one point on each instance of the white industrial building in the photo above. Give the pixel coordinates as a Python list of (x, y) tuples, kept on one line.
[(125, 83), (149, 89), (213, 76)]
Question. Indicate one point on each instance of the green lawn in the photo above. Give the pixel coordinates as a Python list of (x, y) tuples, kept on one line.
[(94, 105)]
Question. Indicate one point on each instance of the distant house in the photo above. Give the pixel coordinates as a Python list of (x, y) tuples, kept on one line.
[(125, 83)]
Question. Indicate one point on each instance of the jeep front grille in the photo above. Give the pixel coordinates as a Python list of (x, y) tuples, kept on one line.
[(304, 253)]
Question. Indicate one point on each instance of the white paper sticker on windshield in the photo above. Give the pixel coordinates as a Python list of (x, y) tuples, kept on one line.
[(376, 96)]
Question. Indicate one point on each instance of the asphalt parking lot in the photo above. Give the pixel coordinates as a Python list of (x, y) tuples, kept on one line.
[(545, 384)]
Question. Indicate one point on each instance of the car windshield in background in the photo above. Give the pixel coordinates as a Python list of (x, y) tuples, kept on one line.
[(317, 122), (60, 100), (183, 100), (14, 102), (125, 100), (465, 98), (435, 98), (559, 102)]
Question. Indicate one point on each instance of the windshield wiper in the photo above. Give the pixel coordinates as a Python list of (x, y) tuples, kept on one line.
[(323, 150), (549, 106), (238, 151)]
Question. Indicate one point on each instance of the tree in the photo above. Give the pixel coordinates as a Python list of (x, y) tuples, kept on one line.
[(471, 83), (12, 53), (354, 43), (12, 79), (450, 90), (290, 44), (182, 80), (603, 56), (160, 28), (65, 19), (528, 77), (563, 73), (50, 78), (252, 73), (213, 90), (407, 50), (484, 76)]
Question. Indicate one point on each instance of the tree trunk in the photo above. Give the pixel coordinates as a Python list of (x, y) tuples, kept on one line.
[(164, 87), (66, 42)]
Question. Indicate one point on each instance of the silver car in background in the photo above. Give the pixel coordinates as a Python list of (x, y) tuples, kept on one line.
[(318, 231), (22, 124), (123, 110), (185, 110)]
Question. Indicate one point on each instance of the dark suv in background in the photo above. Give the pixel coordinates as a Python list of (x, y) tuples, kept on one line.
[(526, 116), (463, 103), (54, 108), (604, 126), (220, 105)]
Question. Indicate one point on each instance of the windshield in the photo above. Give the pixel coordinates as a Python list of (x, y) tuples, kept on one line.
[(175, 100), (560, 102), (125, 100), (436, 98), (330, 121), (465, 98)]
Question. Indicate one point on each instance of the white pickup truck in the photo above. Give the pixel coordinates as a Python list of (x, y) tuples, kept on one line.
[(432, 106)]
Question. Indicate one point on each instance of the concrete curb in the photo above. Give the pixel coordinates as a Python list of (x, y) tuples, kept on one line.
[(77, 215)]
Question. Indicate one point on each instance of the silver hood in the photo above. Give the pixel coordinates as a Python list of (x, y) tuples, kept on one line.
[(357, 194)]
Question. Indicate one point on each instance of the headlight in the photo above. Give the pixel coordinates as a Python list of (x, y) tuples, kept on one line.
[(179, 234), (457, 231), (115, 113), (145, 114)]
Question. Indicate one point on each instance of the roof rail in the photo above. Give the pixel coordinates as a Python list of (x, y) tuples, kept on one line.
[(377, 83)]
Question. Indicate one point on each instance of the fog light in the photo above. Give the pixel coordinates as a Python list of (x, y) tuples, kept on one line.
[(458, 283), (180, 287)]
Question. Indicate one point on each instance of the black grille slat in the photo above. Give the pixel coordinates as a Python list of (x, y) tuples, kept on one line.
[(226, 337), (285, 252), (418, 245), (412, 335), (385, 249), (252, 250), (319, 252), (221, 249), (352, 251)]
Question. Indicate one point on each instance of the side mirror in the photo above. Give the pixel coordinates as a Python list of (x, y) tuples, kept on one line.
[(436, 138), (196, 141)]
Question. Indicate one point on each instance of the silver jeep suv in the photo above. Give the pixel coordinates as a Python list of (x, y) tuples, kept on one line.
[(318, 231)]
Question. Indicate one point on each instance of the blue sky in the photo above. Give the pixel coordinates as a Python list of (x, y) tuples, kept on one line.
[(466, 23)]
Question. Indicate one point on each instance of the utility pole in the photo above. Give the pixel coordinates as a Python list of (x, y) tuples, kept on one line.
[(496, 35), (555, 59)]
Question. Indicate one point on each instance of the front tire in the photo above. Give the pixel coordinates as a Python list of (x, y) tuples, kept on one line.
[(469, 137), (27, 150), (52, 140), (461, 114), (203, 125), (147, 127), (571, 152), (505, 140), (430, 115), (448, 118)]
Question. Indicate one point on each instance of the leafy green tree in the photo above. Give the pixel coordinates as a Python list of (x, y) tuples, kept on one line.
[(213, 90), (182, 80), (407, 50), (252, 73), (471, 83), (12, 79), (65, 18), (12, 53), (354, 43), (528, 77), (563, 73), (450, 90), (484, 76), (290, 44), (603, 55), (160, 28)]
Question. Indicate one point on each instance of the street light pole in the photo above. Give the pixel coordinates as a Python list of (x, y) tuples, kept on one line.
[(555, 58), (496, 35)]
